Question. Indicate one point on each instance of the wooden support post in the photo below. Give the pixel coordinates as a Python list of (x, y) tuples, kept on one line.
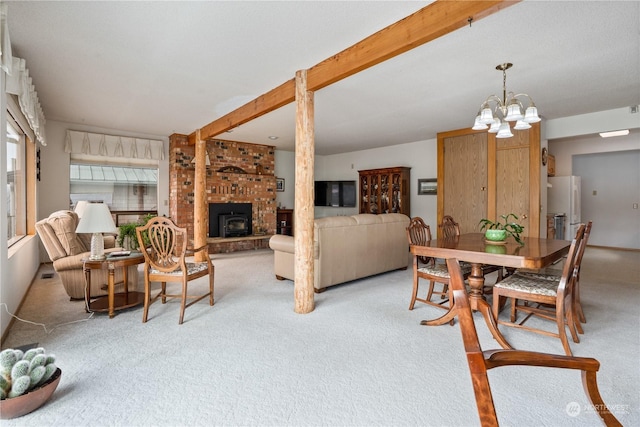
[(303, 221), (199, 199)]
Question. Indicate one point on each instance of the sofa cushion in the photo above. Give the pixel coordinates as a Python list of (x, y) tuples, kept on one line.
[(64, 224)]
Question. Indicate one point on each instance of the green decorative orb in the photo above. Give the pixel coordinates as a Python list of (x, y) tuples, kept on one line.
[(495, 235)]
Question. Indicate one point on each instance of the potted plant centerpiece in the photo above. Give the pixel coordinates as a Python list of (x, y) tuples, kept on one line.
[(27, 380), (498, 231)]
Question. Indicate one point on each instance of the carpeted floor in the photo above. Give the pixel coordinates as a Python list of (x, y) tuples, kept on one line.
[(360, 358)]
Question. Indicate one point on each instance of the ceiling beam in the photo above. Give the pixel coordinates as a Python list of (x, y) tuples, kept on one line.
[(435, 20)]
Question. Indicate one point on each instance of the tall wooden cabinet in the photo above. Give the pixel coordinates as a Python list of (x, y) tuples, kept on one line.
[(385, 190), (480, 176)]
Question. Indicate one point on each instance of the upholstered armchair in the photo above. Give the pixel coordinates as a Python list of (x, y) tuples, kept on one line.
[(67, 250)]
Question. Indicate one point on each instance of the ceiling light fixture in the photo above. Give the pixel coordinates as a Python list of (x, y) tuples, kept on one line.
[(614, 133), (273, 138), (507, 109)]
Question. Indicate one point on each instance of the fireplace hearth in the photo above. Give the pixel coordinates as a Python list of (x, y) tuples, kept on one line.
[(230, 219)]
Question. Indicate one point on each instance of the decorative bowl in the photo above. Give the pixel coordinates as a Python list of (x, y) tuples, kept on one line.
[(29, 402), (495, 235)]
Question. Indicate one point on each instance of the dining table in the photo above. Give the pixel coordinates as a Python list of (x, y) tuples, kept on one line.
[(535, 253)]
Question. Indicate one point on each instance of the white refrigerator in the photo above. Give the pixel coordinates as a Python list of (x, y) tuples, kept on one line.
[(563, 197)]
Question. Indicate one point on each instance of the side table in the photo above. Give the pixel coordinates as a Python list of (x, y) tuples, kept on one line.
[(113, 301)]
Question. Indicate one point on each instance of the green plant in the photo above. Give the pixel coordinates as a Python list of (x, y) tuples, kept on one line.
[(512, 228), (128, 231), (21, 371)]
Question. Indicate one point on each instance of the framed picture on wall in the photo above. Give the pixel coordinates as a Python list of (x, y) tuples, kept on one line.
[(279, 184), (428, 186)]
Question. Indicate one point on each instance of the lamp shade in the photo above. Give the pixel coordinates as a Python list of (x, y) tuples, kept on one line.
[(531, 115), (504, 131), (80, 207), (96, 218), (477, 125), (514, 112)]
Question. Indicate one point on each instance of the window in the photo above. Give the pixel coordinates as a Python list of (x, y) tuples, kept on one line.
[(16, 183), (130, 192)]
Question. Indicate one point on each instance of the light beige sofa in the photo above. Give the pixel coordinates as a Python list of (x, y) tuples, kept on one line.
[(67, 250), (348, 248)]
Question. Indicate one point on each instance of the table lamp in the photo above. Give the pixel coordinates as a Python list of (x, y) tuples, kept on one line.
[(80, 207), (96, 219)]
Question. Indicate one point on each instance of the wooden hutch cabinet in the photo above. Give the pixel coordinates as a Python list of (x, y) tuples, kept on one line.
[(385, 190)]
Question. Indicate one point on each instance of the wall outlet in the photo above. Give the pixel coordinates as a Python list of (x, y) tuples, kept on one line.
[(635, 206)]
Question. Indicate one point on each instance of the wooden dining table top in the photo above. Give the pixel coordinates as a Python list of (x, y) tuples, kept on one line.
[(536, 252)]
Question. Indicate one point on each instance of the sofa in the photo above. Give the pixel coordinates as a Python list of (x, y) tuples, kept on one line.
[(347, 248), (67, 250)]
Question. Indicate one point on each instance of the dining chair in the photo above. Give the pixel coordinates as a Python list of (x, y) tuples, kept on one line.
[(553, 275), (481, 361), (530, 294), (449, 228), (165, 254), (419, 233)]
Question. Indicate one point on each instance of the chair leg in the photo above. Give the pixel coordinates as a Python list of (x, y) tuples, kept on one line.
[(147, 301), (430, 292), (164, 292), (445, 291), (572, 322), (514, 309), (590, 385), (577, 304), (211, 286), (184, 301), (562, 333), (415, 292)]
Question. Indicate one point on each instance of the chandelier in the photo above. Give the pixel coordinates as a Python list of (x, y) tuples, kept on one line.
[(505, 110)]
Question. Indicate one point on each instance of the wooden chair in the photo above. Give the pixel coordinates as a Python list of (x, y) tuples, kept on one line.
[(481, 361), (449, 228), (418, 233), (576, 304), (165, 251), (556, 294)]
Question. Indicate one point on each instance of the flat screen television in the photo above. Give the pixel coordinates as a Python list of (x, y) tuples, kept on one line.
[(335, 193)]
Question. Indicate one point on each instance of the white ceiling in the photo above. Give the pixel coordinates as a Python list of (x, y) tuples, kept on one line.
[(161, 67)]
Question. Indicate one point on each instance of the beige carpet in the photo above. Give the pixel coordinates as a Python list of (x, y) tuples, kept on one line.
[(360, 359)]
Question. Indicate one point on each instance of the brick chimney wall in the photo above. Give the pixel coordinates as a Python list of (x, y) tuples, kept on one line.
[(225, 183)]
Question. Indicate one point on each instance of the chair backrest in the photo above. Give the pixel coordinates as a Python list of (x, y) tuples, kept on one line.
[(163, 244), (449, 227), (418, 233), (569, 271), (58, 235), (583, 246)]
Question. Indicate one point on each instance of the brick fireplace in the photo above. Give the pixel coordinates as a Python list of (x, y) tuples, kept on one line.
[(239, 173)]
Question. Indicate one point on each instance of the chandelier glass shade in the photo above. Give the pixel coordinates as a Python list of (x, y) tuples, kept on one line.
[(495, 113)]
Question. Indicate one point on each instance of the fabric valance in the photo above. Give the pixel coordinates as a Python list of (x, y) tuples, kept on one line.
[(18, 81), (99, 144)]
